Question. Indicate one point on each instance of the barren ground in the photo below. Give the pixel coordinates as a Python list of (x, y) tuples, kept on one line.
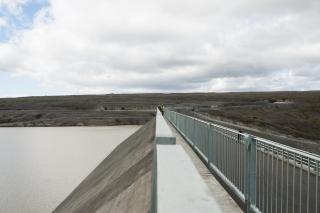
[(294, 115)]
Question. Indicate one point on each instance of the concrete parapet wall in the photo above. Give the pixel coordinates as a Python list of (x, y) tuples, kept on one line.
[(140, 176)]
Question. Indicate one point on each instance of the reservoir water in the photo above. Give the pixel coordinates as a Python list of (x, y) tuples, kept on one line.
[(40, 166)]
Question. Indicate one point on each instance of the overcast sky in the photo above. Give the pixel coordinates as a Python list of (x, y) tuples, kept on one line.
[(103, 46)]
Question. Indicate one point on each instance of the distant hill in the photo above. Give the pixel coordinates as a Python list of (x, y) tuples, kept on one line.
[(293, 114)]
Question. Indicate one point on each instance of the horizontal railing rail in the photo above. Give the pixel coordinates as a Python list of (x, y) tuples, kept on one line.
[(264, 175)]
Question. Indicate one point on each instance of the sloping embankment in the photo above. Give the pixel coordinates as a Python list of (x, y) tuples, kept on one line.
[(121, 183)]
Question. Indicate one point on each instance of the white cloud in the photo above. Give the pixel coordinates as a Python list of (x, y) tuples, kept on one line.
[(3, 22), (100, 46), (13, 6)]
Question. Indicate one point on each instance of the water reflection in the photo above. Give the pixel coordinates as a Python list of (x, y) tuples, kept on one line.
[(39, 167)]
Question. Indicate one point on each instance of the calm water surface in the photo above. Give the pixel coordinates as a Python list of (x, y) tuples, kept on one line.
[(39, 167)]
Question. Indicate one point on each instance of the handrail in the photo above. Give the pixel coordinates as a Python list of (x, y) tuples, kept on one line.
[(303, 152), (265, 175)]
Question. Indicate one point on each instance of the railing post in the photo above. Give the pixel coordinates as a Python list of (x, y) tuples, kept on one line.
[(176, 117), (196, 138), (210, 143), (193, 130), (251, 173)]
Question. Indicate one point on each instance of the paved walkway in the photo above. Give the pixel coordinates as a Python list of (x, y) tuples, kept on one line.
[(224, 200)]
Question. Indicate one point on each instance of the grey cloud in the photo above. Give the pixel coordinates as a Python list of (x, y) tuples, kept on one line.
[(156, 46)]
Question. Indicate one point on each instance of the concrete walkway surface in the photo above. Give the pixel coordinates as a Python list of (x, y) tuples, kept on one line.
[(223, 199), (180, 187)]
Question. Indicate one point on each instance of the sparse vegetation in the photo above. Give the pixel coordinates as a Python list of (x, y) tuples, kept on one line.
[(295, 114)]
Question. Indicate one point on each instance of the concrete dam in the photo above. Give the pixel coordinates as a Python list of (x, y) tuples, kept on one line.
[(177, 163)]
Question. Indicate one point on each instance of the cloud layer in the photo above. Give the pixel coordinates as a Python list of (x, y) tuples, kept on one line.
[(100, 46)]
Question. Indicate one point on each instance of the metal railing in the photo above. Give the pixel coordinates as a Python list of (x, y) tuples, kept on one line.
[(264, 175)]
